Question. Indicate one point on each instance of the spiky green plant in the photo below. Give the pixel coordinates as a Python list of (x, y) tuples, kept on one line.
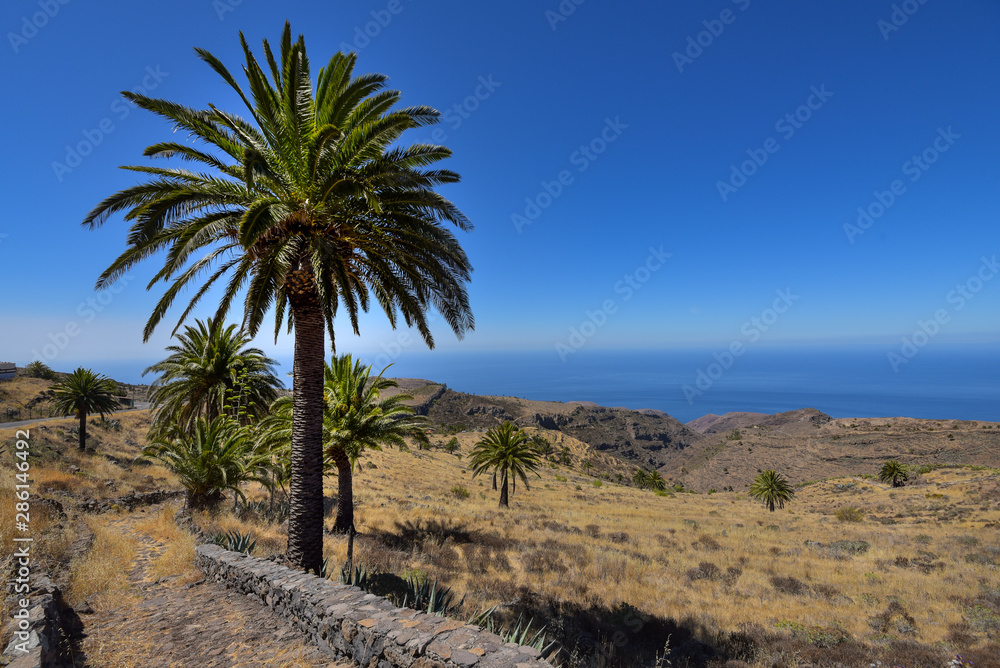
[(771, 489), (84, 392), (508, 452), (893, 473), (235, 542), (359, 576), (217, 457), (521, 634), (311, 204), (430, 597)]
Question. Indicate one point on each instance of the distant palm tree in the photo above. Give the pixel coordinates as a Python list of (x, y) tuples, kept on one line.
[(641, 478), (39, 369), (209, 366), (357, 418), (772, 489), (894, 473), (310, 205), (656, 482), (84, 392), (215, 457), (508, 452)]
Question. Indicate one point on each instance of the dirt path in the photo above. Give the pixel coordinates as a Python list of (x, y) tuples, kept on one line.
[(194, 624)]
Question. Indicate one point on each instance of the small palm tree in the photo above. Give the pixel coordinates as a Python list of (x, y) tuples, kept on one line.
[(641, 478), (39, 369), (209, 366), (508, 452), (216, 457), (84, 392), (356, 419), (894, 473), (656, 482), (772, 489)]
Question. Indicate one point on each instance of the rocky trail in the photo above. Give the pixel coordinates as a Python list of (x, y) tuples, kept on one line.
[(180, 624)]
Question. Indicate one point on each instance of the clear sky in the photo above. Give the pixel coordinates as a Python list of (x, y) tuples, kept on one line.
[(665, 171)]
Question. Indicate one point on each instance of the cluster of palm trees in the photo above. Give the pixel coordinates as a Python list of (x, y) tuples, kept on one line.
[(644, 479), (219, 421), (308, 207)]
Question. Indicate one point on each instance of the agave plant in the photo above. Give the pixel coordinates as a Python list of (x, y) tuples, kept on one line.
[(430, 598), (521, 634), (359, 576), (894, 473), (234, 542)]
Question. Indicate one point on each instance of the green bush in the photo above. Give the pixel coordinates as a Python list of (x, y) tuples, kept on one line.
[(460, 492), (849, 514)]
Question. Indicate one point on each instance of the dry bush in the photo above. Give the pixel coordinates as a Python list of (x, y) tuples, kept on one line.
[(789, 585)]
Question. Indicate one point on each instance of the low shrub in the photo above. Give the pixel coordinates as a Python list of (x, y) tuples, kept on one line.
[(849, 514)]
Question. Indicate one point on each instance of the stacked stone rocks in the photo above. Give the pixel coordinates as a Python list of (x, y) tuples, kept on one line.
[(367, 629), (43, 628)]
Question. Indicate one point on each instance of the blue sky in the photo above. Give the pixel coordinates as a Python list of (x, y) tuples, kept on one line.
[(662, 171)]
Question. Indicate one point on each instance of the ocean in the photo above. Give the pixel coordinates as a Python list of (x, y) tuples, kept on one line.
[(938, 382)]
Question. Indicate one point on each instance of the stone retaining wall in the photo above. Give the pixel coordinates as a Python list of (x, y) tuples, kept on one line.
[(367, 629), (42, 632)]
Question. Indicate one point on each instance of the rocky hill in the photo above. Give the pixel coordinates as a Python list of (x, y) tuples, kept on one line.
[(721, 452)]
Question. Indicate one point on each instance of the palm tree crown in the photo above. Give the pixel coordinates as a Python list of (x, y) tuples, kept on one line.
[(84, 392), (214, 457), (509, 452), (308, 205), (772, 489), (894, 473), (209, 366)]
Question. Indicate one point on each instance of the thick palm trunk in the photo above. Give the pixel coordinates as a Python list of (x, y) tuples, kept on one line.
[(345, 492), (305, 518), (83, 430), (503, 492)]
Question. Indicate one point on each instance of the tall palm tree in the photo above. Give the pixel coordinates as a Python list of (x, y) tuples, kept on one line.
[(210, 365), (359, 418), (894, 473), (215, 457), (508, 452), (84, 392), (771, 488), (308, 206)]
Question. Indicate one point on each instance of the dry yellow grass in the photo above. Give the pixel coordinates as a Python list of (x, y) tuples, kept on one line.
[(719, 559), (177, 559), (101, 575)]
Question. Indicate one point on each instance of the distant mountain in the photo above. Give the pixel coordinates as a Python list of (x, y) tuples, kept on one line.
[(720, 451)]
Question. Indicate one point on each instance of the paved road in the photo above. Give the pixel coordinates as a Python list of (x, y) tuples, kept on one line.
[(26, 423)]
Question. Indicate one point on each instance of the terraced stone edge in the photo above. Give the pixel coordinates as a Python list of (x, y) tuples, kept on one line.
[(350, 623)]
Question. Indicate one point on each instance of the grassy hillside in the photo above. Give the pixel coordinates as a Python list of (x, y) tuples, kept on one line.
[(914, 576)]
